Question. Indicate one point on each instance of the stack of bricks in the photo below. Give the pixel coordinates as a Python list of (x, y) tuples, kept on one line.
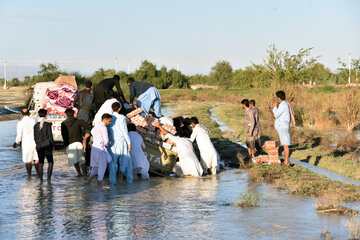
[(134, 113), (145, 125), (272, 149)]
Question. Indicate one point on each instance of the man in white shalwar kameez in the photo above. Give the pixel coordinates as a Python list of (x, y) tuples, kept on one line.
[(188, 162), (25, 135), (105, 108), (120, 146), (139, 161), (208, 155), (100, 156)]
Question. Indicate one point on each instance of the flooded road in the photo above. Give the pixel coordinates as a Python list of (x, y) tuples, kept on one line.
[(161, 208)]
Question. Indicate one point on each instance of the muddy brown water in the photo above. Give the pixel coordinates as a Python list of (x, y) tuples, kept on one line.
[(161, 208)]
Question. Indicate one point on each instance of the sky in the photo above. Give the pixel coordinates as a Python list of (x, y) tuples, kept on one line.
[(191, 35)]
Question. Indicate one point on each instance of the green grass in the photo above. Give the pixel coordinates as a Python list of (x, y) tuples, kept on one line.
[(249, 199), (300, 181)]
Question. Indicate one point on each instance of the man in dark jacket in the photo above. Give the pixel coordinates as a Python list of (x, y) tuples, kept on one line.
[(147, 95), (44, 143), (104, 90), (74, 142), (80, 96)]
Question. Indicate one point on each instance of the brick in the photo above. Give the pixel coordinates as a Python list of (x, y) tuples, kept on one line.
[(273, 157), (271, 144), (274, 161)]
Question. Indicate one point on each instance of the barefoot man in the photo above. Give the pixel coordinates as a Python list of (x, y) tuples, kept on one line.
[(25, 135), (281, 112)]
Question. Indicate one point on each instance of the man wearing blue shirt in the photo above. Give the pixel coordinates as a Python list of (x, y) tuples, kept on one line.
[(147, 95), (281, 112)]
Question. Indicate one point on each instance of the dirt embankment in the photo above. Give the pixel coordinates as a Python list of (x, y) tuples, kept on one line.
[(13, 97)]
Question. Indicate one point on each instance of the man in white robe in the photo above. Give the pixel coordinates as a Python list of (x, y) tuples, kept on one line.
[(105, 108), (188, 162), (25, 136), (208, 155), (139, 161), (119, 147), (100, 156)]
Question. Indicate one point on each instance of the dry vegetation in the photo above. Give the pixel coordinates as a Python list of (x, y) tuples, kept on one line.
[(332, 204)]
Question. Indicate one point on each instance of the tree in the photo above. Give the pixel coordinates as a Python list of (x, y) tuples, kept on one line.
[(101, 74), (221, 74), (27, 81), (47, 73), (198, 79), (343, 74), (283, 66), (178, 79), (320, 74), (15, 82)]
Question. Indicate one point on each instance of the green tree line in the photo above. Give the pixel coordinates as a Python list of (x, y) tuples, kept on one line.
[(279, 65)]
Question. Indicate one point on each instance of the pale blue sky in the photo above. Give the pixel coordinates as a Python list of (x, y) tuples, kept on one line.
[(86, 35)]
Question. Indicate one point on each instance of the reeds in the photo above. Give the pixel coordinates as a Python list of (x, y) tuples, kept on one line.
[(249, 199), (354, 226)]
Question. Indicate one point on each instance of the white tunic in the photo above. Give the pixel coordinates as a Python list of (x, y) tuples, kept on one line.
[(25, 135), (208, 154), (105, 108), (188, 161), (138, 158)]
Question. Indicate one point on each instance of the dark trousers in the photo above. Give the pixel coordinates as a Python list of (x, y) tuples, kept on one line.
[(45, 152)]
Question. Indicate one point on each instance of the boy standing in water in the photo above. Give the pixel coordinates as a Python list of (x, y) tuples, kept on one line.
[(100, 156)]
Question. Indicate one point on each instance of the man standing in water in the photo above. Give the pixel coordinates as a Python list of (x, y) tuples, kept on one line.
[(100, 156), (44, 143), (249, 128), (71, 132), (119, 147), (257, 136), (281, 112), (25, 135)]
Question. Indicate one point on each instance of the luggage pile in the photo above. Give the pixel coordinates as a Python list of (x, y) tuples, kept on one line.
[(272, 149)]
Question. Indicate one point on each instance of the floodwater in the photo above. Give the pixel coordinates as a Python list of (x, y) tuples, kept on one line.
[(161, 208)]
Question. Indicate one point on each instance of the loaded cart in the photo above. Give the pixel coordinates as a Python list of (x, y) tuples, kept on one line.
[(54, 96), (161, 154), (161, 160)]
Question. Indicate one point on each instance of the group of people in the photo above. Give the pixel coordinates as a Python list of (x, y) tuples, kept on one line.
[(284, 119), (115, 144)]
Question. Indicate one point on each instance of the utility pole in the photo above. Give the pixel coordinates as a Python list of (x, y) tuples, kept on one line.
[(349, 68), (177, 66), (128, 72), (5, 62), (116, 65)]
